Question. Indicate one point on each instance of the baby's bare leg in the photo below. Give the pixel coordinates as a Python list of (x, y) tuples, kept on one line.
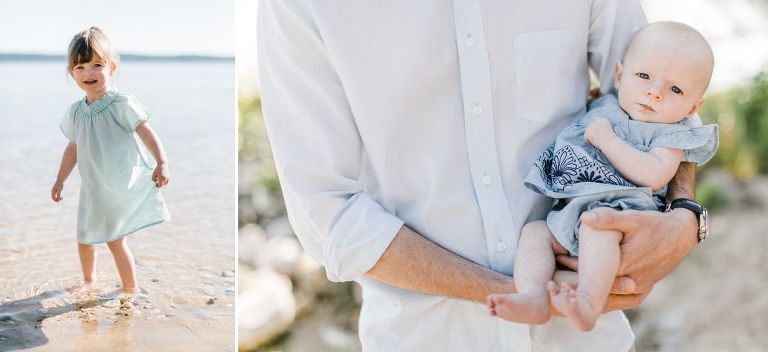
[(125, 264), (87, 253), (534, 266), (598, 265)]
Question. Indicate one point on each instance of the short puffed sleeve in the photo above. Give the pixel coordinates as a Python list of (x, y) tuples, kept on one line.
[(67, 124), (130, 113), (699, 144)]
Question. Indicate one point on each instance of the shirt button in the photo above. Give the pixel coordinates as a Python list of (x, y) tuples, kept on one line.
[(469, 41), (477, 110), (486, 180), (501, 246)]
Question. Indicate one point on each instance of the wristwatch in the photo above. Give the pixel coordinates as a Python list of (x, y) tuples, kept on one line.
[(696, 208)]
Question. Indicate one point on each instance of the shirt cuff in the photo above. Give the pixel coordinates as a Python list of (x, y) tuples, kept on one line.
[(362, 233)]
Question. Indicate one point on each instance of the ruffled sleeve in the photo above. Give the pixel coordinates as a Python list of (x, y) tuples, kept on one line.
[(67, 123), (130, 112), (698, 143)]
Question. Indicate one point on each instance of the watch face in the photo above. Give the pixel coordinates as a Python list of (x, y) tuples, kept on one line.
[(703, 224)]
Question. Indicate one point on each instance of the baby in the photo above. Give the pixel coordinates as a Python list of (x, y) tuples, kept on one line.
[(621, 154)]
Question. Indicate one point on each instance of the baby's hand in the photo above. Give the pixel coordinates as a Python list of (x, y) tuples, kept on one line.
[(56, 191), (598, 131), (161, 176)]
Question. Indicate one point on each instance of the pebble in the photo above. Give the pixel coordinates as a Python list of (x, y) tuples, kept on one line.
[(230, 291), (42, 310), (127, 305), (147, 306), (228, 273), (172, 305), (211, 301), (155, 280), (6, 318), (229, 280), (112, 304)]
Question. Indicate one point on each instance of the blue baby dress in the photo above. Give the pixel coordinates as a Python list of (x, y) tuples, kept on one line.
[(573, 169), (117, 194)]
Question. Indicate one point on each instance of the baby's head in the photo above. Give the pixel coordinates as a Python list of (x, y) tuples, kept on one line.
[(665, 72), (91, 61)]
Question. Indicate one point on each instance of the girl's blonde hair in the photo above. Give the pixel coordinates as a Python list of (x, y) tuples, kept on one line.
[(87, 43)]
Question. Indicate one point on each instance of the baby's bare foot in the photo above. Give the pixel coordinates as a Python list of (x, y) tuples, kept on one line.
[(527, 308), (575, 305)]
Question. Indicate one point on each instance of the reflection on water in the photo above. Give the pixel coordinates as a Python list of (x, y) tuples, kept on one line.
[(186, 265)]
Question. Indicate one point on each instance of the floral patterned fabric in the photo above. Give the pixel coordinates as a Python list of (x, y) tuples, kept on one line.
[(571, 169)]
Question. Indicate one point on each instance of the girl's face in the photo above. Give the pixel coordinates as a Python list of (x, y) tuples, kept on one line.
[(93, 77)]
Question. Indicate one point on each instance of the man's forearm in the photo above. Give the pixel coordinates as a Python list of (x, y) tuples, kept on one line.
[(683, 185), (414, 263)]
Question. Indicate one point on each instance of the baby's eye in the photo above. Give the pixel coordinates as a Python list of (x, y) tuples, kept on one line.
[(676, 90), (97, 65), (78, 67), (643, 75)]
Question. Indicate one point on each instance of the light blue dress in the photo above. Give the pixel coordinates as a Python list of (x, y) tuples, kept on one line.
[(572, 169), (117, 194)]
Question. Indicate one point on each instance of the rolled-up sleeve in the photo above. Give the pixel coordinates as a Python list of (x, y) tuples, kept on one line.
[(317, 148)]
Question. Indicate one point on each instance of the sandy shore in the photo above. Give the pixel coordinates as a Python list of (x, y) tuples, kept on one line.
[(180, 310)]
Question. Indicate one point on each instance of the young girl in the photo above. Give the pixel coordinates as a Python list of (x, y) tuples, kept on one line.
[(639, 138), (119, 191)]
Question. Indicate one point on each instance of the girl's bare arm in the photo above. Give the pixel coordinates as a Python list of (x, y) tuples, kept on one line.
[(68, 162), (161, 175)]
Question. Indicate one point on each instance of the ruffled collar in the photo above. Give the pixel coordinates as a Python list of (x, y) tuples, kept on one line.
[(99, 105)]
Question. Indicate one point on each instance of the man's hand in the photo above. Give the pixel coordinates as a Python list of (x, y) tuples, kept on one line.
[(161, 175), (654, 243), (56, 191)]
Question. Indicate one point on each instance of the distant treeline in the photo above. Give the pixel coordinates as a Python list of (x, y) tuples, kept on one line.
[(126, 57)]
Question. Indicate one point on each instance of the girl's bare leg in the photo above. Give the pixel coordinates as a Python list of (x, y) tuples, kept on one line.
[(598, 265), (125, 264), (87, 254), (534, 266)]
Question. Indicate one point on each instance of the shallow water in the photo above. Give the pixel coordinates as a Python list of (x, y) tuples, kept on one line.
[(183, 265)]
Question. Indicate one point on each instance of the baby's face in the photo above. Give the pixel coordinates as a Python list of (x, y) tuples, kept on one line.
[(663, 86)]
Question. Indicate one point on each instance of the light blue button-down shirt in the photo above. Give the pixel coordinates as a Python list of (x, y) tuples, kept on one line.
[(429, 114)]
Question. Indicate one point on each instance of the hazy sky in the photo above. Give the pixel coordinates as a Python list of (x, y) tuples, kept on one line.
[(153, 27)]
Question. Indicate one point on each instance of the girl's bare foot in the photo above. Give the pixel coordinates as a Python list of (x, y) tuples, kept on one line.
[(575, 305), (131, 290), (527, 308)]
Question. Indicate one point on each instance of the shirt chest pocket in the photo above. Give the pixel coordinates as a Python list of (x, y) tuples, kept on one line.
[(551, 77)]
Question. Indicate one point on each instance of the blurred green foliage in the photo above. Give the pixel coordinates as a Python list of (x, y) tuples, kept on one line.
[(742, 114), (253, 144)]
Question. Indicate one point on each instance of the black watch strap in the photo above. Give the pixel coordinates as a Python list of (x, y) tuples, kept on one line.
[(698, 209)]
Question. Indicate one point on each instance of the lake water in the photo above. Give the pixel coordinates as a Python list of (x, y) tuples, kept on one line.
[(185, 265)]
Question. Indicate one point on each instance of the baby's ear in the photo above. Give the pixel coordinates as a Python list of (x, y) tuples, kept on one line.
[(696, 106), (112, 68), (617, 75)]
